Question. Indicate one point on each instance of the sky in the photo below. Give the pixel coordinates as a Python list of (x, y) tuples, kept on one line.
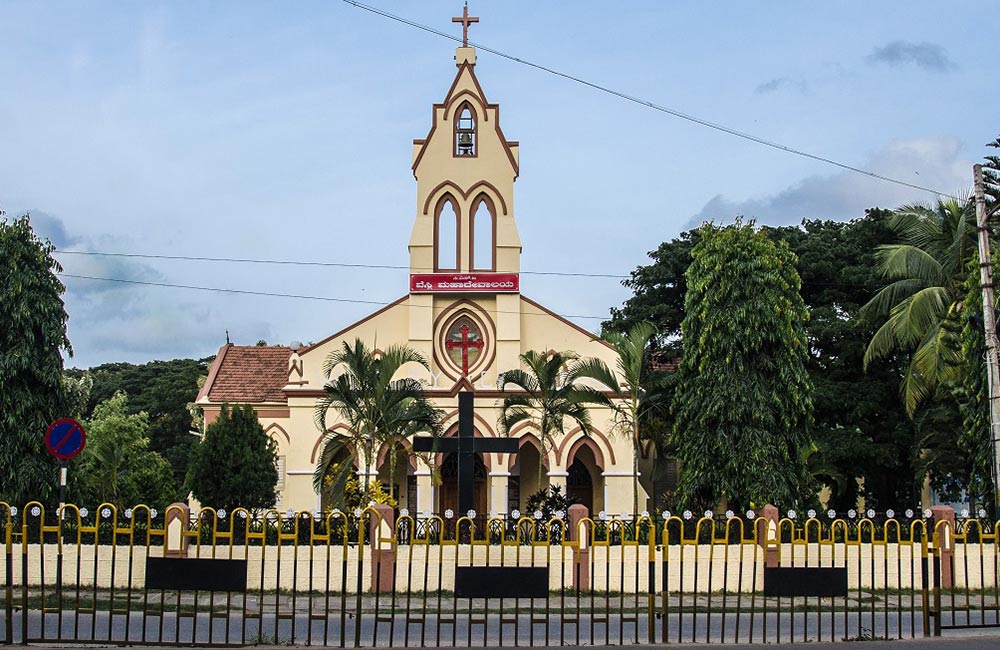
[(284, 131)]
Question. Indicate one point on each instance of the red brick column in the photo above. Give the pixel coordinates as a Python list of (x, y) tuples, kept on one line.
[(581, 552), (767, 526), (944, 540), (177, 516), (382, 541)]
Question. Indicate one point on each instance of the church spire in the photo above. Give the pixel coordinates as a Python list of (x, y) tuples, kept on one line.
[(466, 20), (465, 170)]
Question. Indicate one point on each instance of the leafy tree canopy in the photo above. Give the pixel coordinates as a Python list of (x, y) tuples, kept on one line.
[(658, 291), (860, 427), (235, 464), (925, 269), (959, 456), (991, 177), (163, 390), (32, 339), (744, 403), (117, 465)]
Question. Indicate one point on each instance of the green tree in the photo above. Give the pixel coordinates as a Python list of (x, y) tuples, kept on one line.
[(548, 395), (744, 401), (235, 464), (32, 338), (658, 293), (164, 390), (656, 424), (959, 458), (77, 387), (991, 178), (117, 465), (378, 409), (632, 365), (861, 429), (927, 271)]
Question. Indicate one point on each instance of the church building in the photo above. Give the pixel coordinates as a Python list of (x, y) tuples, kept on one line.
[(465, 314)]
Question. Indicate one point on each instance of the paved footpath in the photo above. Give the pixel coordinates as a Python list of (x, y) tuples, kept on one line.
[(954, 641)]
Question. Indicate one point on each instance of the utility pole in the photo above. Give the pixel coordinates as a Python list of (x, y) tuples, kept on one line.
[(989, 321)]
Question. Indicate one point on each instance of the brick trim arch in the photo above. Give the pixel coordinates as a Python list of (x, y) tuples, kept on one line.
[(319, 443), (496, 195), (595, 433)]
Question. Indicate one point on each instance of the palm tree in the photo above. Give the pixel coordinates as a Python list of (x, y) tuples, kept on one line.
[(633, 354), (927, 270), (548, 395), (377, 409), (110, 464)]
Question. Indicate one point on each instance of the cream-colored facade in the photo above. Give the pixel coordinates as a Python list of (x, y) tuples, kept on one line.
[(464, 226)]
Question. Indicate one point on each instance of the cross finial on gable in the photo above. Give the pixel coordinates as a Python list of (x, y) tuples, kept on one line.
[(466, 20)]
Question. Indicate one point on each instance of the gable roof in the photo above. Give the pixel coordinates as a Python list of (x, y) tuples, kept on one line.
[(480, 97), (247, 373)]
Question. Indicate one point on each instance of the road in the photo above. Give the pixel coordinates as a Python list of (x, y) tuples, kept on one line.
[(485, 630)]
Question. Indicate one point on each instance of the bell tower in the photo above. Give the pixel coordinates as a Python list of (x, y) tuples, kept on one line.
[(465, 252)]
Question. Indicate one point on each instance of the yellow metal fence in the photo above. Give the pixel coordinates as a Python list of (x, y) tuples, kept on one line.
[(371, 577)]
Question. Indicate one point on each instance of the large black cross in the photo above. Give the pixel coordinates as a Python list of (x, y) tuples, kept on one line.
[(466, 445)]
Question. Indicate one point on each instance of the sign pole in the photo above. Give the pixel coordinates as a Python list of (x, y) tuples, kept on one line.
[(62, 518), (62, 488), (989, 320), (65, 439)]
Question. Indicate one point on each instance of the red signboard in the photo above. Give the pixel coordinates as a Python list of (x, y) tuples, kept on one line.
[(464, 282)]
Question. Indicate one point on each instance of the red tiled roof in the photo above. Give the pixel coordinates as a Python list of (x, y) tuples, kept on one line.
[(249, 373)]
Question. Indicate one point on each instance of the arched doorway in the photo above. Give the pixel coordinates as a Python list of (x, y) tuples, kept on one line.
[(580, 485), (449, 485), (585, 480), (525, 478)]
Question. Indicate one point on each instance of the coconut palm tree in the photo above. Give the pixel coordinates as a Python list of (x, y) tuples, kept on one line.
[(927, 270), (377, 409), (632, 366), (547, 394)]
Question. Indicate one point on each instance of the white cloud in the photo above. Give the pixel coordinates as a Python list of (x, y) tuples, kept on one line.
[(122, 321), (929, 162)]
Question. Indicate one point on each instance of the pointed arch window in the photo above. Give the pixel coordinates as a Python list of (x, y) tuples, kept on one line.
[(466, 132), (483, 235), (446, 235)]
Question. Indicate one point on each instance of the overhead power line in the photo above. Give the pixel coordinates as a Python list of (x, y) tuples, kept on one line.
[(248, 260), (272, 294), (649, 104)]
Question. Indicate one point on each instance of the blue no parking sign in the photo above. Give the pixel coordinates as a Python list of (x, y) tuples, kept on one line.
[(65, 438)]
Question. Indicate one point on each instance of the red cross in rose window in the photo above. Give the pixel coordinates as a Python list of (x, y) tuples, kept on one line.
[(464, 344)]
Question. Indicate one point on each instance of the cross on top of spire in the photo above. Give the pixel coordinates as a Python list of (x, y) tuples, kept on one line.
[(466, 20)]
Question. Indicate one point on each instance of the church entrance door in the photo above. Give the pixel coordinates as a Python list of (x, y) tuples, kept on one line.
[(449, 486), (580, 485)]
